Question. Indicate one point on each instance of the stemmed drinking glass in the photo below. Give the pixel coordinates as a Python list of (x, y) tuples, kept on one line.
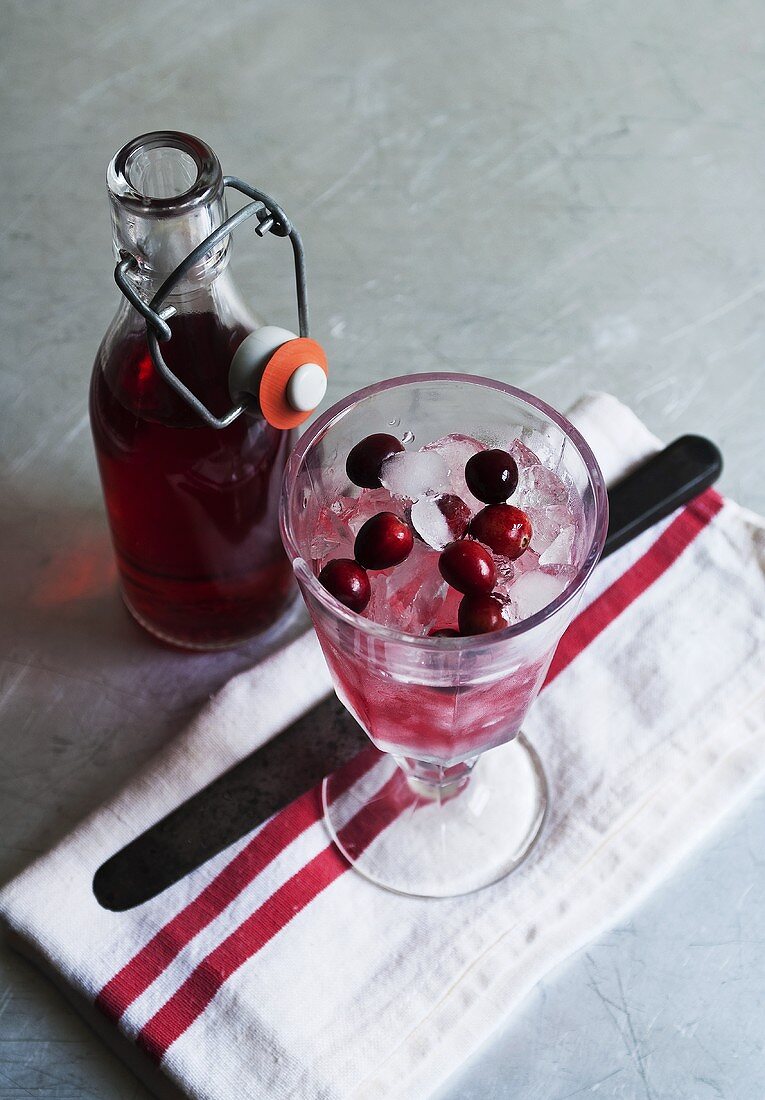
[(459, 797)]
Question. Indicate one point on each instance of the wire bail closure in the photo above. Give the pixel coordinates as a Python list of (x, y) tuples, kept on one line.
[(271, 219)]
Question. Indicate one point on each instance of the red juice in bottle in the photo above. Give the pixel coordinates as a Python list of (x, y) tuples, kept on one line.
[(192, 509)]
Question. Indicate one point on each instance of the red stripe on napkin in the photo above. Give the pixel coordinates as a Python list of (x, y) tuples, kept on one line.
[(193, 996), (138, 974), (191, 999), (634, 581)]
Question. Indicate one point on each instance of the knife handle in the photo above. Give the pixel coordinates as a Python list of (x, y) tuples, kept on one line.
[(655, 489)]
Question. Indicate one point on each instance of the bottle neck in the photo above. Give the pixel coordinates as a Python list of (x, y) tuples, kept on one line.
[(166, 195)]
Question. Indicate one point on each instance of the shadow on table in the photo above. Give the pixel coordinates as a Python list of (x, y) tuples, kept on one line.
[(60, 600), (86, 696)]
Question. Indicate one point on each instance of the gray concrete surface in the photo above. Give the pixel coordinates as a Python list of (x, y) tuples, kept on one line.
[(566, 195)]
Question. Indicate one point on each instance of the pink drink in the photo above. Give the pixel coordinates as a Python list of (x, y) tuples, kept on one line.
[(441, 700), (438, 724), (455, 721)]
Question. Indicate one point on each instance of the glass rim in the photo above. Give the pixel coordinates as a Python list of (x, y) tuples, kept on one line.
[(385, 633)]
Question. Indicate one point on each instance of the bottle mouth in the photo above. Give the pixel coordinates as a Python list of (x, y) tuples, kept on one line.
[(163, 172)]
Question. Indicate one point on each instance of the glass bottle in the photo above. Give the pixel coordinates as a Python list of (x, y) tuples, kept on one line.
[(192, 509)]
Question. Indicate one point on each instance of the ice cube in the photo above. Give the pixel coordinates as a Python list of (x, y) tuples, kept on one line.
[(528, 562), (545, 498), (505, 566), (418, 611), (523, 455), (539, 486), (505, 577), (547, 445), (456, 450), (409, 475), (534, 590), (439, 520), (408, 596), (357, 511), (561, 549), (328, 533), (546, 525), (447, 610)]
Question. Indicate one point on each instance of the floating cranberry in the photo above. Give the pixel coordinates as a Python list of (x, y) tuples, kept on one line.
[(468, 567), (440, 520), (344, 579), (491, 475), (383, 541), (504, 529), (480, 614), (455, 512), (444, 632), (365, 460)]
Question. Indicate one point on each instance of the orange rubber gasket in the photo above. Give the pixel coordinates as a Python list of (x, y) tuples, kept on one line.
[(278, 371)]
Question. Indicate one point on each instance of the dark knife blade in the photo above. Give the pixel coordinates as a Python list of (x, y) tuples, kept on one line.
[(325, 738)]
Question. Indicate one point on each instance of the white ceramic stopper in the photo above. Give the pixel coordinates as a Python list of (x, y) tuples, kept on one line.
[(306, 387)]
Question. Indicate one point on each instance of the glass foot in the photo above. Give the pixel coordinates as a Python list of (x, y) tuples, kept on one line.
[(436, 839)]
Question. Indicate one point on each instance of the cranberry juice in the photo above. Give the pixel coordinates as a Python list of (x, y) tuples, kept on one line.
[(193, 510), (471, 564), (443, 724)]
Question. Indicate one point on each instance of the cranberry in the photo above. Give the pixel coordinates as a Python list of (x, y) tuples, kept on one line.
[(504, 529), (384, 540), (491, 476), (481, 614), (425, 514), (468, 567), (444, 632), (344, 579), (455, 512), (365, 460)]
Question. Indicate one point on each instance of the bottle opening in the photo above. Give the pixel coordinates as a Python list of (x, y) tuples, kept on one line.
[(166, 195), (164, 172), (161, 172)]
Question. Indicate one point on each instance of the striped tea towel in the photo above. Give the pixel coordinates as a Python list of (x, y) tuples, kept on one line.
[(274, 971)]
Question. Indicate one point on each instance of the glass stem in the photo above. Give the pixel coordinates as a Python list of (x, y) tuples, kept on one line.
[(436, 782)]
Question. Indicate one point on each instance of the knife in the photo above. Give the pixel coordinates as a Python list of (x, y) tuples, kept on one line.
[(654, 490), (301, 755)]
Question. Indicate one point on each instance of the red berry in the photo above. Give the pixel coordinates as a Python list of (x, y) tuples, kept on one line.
[(344, 579), (439, 520), (491, 476), (384, 540), (444, 632), (504, 529), (468, 567), (480, 614), (365, 460), (455, 512)]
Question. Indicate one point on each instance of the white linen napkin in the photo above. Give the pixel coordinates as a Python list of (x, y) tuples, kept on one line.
[(275, 971)]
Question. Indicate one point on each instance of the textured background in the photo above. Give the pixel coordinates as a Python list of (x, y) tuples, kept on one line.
[(565, 195)]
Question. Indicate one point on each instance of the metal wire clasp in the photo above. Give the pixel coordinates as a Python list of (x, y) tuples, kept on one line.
[(271, 219)]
